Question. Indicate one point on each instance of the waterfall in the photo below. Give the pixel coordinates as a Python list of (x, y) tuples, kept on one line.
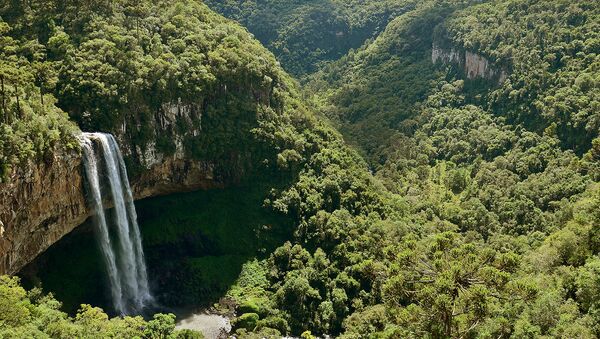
[(120, 241)]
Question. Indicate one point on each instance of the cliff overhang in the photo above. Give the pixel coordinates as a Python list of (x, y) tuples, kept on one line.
[(44, 200)]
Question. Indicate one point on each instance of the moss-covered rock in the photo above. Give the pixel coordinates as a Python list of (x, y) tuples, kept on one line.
[(247, 321)]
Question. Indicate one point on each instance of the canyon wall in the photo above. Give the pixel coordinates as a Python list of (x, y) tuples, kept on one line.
[(474, 66), (39, 203), (43, 201)]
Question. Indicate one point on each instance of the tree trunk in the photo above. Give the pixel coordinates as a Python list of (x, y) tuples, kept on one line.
[(3, 103), (18, 101)]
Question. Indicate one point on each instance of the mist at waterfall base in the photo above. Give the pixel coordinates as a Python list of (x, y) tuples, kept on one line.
[(195, 245)]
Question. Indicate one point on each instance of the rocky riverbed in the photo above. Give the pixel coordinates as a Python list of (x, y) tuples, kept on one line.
[(213, 326)]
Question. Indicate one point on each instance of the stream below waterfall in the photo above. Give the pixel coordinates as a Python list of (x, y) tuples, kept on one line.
[(213, 326)]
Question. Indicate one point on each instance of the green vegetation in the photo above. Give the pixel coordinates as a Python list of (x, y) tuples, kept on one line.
[(304, 35), (31, 126), (501, 187), (153, 74), (373, 93), (196, 243), (552, 52), (249, 107), (30, 314), (479, 219)]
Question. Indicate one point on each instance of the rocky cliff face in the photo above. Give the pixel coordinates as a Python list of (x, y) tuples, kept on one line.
[(38, 205), (474, 65), (42, 202)]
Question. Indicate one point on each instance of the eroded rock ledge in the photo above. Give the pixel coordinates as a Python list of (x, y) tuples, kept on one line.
[(38, 205), (43, 202)]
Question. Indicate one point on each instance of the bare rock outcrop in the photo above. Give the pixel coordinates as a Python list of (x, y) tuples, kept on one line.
[(39, 204), (474, 65)]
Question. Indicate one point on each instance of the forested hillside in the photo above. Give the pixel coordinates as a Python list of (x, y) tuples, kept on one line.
[(30, 123), (304, 35), (510, 163), (470, 206), (112, 67)]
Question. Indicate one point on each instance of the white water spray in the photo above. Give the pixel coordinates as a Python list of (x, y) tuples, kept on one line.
[(125, 259)]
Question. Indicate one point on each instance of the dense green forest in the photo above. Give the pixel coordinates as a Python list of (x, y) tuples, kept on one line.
[(31, 314), (305, 35), (467, 206)]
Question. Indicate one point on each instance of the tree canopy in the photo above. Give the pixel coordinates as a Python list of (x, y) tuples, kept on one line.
[(467, 206)]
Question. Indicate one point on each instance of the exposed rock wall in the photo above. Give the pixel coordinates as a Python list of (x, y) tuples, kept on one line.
[(42, 202), (474, 65), (38, 205)]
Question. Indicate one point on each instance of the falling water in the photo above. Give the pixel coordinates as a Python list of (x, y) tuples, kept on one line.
[(95, 198), (124, 257)]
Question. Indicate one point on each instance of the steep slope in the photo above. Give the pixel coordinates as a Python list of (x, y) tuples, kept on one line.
[(182, 89), (194, 100), (304, 35), (373, 93), (481, 116), (535, 68), (551, 51)]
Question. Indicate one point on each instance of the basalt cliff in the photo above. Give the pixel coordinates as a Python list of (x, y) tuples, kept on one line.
[(472, 64), (43, 201)]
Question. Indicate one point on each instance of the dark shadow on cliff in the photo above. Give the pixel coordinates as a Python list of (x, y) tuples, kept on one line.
[(196, 243), (195, 246), (72, 269)]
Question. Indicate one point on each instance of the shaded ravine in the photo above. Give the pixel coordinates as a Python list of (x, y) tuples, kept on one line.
[(195, 245)]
